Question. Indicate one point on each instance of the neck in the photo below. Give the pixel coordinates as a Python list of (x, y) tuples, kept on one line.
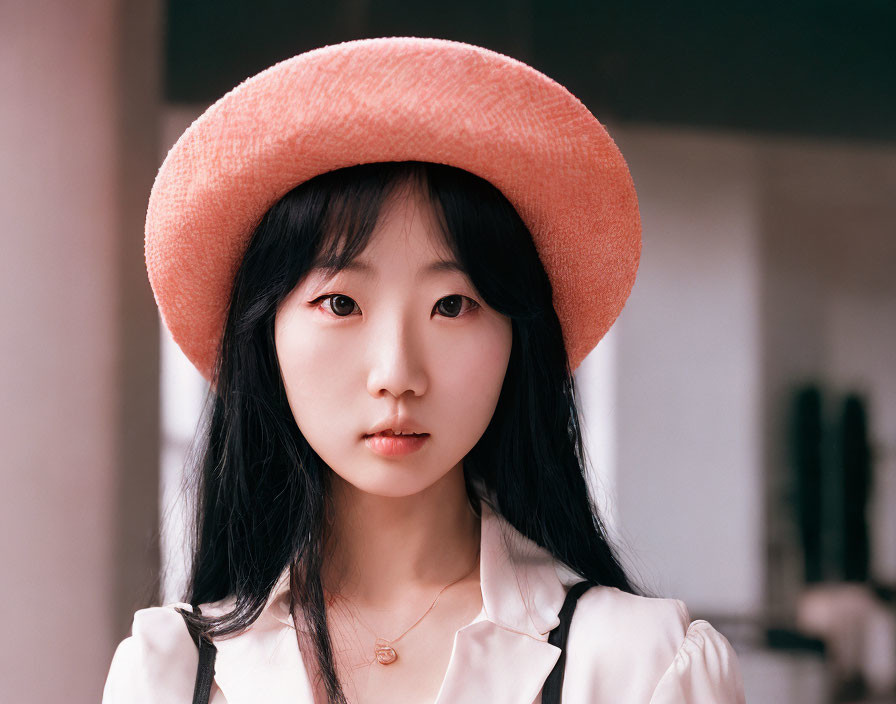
[(380, 548)]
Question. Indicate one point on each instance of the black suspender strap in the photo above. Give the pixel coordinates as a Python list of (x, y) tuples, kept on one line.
[(553, 685), (205, 672)]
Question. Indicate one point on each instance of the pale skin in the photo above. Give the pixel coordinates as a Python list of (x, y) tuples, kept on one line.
[(412, 342)]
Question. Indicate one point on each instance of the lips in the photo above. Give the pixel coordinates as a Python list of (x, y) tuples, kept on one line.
[(390, 434), (388, 444), (396, 424)]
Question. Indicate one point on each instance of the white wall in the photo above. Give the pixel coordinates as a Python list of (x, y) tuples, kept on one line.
[(182, 390), (687, 359), (596, 381)]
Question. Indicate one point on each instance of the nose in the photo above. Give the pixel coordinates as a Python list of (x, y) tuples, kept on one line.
[(396, 361)]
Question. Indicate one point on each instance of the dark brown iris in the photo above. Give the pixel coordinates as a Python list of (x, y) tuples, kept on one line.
[(455, 303)]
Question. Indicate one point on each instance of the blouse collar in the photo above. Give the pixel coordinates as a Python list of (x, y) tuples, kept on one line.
[(522, 584), (523, 588)]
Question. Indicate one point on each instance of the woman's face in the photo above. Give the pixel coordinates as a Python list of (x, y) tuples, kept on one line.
[(392, 340)]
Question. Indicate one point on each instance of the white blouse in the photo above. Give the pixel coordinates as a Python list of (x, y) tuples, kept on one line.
[(622, 648)]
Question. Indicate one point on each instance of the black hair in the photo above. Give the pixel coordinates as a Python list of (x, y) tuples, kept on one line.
[(260, 490)]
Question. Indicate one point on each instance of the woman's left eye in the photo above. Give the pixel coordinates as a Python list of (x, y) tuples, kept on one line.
[(451, 306), (456, 303)]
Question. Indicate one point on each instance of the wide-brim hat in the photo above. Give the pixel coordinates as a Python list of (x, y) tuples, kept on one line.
[(393, 99)]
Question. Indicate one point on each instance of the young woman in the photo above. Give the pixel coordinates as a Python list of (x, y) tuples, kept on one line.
[(388, 256)]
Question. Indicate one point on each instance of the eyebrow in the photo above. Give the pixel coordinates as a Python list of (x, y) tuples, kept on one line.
[(436, 266)]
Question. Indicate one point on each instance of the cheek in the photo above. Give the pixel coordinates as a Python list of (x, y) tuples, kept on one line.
[(470, 376), (316, 372)]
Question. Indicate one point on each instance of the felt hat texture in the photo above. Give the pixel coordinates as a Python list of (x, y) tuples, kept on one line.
[(393, 99)]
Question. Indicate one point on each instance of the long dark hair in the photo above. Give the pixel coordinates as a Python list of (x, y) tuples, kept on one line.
[(261, 492)]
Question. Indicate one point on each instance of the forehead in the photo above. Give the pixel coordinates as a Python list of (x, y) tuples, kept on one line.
[(406, 220)]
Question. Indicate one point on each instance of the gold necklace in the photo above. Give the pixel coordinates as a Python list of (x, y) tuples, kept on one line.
[(384, 649)]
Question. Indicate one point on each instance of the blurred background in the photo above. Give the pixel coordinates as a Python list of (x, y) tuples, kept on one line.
[(740, 416)]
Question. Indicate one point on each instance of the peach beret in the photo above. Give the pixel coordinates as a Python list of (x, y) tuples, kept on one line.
[(393, 99)]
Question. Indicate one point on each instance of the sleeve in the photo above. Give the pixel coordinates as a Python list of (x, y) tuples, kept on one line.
[(156, 663), (705, 670)]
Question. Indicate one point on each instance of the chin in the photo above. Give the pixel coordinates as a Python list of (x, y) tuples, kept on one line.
[(397, 487), (391, 481)]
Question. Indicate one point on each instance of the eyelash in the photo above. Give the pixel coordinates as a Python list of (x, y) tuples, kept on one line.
[(473, 304)]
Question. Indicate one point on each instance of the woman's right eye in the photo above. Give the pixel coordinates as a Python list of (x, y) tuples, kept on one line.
[(341, 306)]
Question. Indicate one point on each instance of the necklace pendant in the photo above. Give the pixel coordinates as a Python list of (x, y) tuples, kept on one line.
[(385, 653)]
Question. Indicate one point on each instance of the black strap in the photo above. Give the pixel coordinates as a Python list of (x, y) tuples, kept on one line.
[(205, 672), (553, 685)]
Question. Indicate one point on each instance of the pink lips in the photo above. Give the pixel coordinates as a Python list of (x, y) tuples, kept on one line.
[(395, 445)]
